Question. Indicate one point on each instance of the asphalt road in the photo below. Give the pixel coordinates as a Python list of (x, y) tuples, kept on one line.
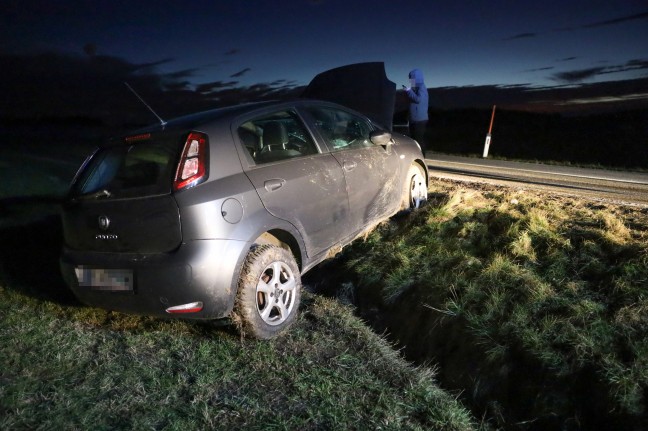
[(598, 184)]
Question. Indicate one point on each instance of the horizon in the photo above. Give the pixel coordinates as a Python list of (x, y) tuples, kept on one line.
[(93, 86)]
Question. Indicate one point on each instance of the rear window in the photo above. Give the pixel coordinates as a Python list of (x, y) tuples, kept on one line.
[(125, 171)]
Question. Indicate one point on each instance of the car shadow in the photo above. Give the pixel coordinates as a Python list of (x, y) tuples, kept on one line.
[(30, 243)]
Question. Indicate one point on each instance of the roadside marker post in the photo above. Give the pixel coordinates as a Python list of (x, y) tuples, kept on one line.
[(488, 136)]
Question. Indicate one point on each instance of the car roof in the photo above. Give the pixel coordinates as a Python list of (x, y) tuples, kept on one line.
[(196, 119), (199, 119)]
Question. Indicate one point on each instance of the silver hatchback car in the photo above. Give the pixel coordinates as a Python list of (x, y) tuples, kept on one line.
[(218, 214)]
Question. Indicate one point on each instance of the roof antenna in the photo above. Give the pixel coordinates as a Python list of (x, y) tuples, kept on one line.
[(162, 122)]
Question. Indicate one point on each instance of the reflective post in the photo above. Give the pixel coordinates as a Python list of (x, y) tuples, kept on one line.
[(488, 136)]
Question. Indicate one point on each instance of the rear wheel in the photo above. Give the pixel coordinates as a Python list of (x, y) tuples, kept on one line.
[(269, 292), (415, 188)]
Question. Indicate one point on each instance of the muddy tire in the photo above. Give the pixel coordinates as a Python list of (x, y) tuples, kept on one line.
[(414, 188), (269, 291)]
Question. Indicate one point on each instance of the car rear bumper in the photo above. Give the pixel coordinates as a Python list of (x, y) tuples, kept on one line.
[(203, 271)]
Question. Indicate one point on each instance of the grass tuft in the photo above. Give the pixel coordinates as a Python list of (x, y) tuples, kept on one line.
[(560, 280)]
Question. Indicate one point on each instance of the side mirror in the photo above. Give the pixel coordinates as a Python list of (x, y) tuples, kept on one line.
[(380, 137)]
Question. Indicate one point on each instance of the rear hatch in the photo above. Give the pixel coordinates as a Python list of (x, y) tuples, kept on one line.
[(373, 94), (121, 200)]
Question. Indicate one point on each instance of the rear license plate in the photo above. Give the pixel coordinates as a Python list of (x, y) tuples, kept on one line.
[(119, 280)]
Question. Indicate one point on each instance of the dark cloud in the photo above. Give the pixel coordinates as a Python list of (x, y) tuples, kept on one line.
[(576, 76), (614, 21), (240, 73), (515, 86), (150, 67), (522, 36), (567, 59), (186, 73), (283, 83), (233, 51), (177, 86), (643, 15), (570, 98), (60, 86), (632, 65), (540, 69), (638, 64), (217, 85)]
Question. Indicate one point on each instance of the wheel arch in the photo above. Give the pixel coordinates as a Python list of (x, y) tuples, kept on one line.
[(284, 240), (422, 165)]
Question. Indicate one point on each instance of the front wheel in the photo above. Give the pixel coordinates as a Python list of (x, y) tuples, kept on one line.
[(414, 189), (269, 292)]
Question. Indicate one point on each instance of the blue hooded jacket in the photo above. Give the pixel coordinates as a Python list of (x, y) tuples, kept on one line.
[(418, 95)]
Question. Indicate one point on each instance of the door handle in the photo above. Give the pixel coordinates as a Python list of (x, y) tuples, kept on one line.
[(272, 185), (349, 166)]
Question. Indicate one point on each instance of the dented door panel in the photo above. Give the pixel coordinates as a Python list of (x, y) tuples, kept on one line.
[(371, 175), (308, 192)]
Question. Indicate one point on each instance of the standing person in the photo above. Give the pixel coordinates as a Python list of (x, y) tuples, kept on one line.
[(418, 109)]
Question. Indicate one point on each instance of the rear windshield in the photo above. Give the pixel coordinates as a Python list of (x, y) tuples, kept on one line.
[(126, 171)]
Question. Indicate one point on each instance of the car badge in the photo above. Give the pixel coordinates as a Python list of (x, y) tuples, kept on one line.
[(104, 222)]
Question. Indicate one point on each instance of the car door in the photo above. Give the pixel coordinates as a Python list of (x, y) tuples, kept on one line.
[(371, 171), (294, 180)]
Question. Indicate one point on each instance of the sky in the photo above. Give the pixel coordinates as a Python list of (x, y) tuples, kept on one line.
[(455, 43), (461, 43)]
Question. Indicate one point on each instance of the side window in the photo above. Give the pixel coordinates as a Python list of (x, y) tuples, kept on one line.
[(341, 129), (275, 137)]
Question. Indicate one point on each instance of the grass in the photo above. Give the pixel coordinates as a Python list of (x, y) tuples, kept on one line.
[(520, 297), (67, 366), (557, 282), (73, 367)]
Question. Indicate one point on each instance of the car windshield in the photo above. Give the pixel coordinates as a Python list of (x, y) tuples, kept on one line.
[(126, 171)]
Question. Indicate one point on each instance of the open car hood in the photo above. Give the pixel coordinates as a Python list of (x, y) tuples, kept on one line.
[(362, 86)]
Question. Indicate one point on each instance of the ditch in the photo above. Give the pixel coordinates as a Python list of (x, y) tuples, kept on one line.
[(512, 392)]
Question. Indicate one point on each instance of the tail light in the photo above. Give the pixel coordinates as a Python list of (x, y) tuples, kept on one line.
[(192, 169)]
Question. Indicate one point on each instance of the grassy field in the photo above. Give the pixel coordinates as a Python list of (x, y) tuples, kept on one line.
[(535, 304), (67, 366), (532, 307)]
